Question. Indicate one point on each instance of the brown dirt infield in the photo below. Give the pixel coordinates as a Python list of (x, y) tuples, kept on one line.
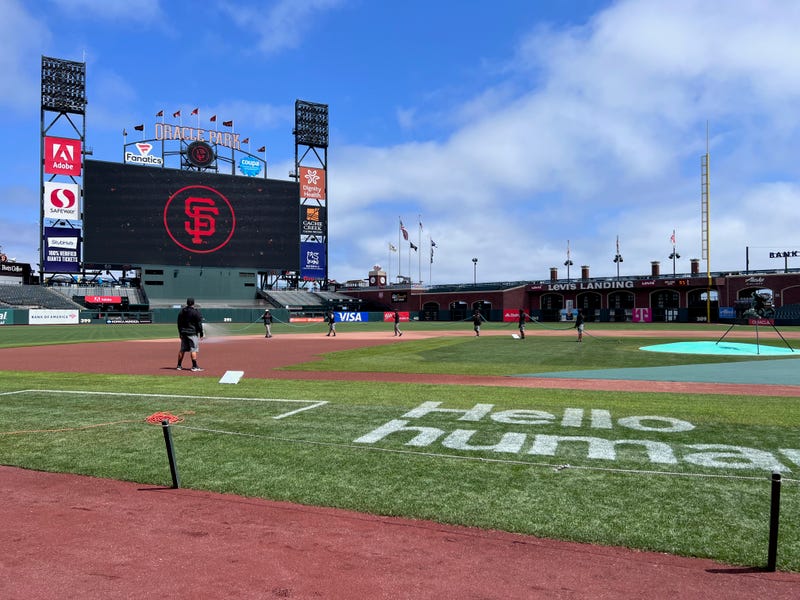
[(71, 536)]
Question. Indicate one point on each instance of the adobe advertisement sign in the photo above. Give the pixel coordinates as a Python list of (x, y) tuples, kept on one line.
[(62, 156), (61, 200), (62, 250), (312, 220), (312, 260), (133, 215), (312, 183)]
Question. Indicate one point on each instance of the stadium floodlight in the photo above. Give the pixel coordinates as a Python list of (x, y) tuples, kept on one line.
[(311, 124), (63, 85)]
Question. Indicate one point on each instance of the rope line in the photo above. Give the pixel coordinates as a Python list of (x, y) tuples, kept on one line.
[(155, 418), (555, 467), (24, 431)]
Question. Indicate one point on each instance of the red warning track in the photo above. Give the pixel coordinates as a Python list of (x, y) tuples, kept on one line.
[(103, 539)]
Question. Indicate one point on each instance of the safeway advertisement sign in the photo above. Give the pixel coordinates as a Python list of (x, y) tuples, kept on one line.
[(62, 156), (61, 200)]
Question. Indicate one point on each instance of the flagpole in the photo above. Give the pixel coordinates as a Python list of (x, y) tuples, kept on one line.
[(419, 255), (430, 263), (399, 248)]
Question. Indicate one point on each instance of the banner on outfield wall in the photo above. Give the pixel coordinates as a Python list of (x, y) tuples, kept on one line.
[(62, 250), (41, 316), (312, 260), (388, 316)]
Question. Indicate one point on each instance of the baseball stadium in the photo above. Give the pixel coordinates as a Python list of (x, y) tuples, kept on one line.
[(575, 437)]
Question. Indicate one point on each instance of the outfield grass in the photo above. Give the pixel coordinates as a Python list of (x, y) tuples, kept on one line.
[(703, 491)]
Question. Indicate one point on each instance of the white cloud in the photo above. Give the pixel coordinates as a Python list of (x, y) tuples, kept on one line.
[(23, 38), (280, 25), (139, 11)]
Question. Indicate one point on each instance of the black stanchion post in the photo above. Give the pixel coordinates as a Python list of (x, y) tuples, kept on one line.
[(173, 467), (774, 516)]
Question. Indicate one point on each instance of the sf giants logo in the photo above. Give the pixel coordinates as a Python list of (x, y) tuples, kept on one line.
[(199, 219), (62, 156), (202, 223)]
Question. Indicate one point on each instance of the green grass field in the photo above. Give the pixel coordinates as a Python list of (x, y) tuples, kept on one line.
[(688, 475)]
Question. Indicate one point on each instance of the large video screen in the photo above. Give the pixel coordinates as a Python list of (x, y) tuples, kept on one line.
[(147, 215)]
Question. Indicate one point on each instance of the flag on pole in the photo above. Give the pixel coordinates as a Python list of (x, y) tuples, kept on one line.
[(412, 246), (160, 113), (246, 140), (139, 127), (420, 225), (227, 123), (176, 114), (196, 111), (403, 230), (213, 118), (617, 244), (124, 132), (672, 237), (433, 244), (392, 248), (262, 149)]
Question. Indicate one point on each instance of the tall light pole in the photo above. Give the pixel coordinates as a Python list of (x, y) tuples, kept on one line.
[(618, 257), (474, 271), (568, 263), (674, 254)]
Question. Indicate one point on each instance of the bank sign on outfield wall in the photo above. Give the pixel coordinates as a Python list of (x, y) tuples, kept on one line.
[(312, 183), (38, 316)]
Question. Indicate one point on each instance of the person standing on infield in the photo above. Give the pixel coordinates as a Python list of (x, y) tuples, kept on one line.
[(397, 323), (477, 319), (267, 318), (579, 325), (190, 330), (331, 317), (522, 317)]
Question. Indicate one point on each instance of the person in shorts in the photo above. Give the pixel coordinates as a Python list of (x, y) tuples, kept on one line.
[(477, 319), (190, 330), (267, 318), (579, 325), (331, 318), (521, 323)]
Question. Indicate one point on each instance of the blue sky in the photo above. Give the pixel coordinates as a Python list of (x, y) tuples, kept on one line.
[(507, 127)]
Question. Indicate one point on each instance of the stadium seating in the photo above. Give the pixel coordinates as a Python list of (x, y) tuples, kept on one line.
[(34, 296)]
